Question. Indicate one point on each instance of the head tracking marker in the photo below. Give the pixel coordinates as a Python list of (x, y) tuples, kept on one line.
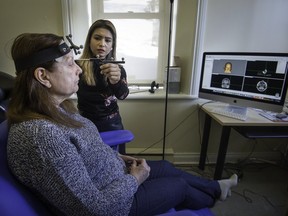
[(73, 46)]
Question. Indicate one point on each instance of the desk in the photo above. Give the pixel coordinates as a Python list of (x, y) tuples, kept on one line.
[(255, 126)]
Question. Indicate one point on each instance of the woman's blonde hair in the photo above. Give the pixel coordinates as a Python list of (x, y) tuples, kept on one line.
[(87, 67)]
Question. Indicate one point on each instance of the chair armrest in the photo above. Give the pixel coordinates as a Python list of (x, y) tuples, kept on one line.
[(116, 137)]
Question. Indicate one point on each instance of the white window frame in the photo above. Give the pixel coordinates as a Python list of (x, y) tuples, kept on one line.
[(78, 16)]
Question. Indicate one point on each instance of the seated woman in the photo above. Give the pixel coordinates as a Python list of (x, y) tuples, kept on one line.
[(56, 152)]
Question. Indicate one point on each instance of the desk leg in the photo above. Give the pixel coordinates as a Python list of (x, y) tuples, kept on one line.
[(205, 140), (222, 152)]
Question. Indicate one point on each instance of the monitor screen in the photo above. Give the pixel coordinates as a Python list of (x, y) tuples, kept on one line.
[(256, 80)]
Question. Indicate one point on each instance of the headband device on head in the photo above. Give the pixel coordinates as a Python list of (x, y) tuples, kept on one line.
[(42, 56)]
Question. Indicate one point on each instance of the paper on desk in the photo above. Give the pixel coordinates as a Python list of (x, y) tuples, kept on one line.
[(272, 116)]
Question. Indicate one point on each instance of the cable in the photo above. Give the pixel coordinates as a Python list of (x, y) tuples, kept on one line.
[(249, 200), (181, 122)]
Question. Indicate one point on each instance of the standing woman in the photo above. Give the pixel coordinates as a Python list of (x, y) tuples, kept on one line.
[(101, 83)]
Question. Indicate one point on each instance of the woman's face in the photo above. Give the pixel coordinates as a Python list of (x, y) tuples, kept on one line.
[(101, 42), (228, 68), (64, 78)]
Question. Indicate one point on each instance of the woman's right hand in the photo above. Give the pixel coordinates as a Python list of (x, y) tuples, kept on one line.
[(140, 169)]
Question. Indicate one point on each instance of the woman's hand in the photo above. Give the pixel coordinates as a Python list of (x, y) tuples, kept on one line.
[(111, 71), (140, 169), (127, 158), (137, 167)]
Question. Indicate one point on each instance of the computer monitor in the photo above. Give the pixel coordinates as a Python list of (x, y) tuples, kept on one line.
[(257, 80)]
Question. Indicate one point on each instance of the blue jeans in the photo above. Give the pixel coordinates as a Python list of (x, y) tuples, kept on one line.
[(168, 187)]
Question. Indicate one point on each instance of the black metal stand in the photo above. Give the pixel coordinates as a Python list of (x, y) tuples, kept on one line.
[(167, 79)]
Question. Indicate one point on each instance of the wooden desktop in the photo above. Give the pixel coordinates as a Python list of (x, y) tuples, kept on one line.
[(255, 126)]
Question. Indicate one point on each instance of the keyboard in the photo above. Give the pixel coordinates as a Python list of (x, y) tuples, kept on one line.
[(235, 112)]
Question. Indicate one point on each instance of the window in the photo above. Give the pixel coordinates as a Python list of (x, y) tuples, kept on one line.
[(142, 31)]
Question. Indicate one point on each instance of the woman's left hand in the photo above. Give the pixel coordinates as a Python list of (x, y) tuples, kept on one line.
[(111, 71)]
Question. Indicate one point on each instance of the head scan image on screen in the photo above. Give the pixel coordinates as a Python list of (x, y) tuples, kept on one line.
[(257, 80)]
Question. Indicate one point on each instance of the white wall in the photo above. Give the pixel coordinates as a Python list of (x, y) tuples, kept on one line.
[(254, 25), (18, 16), (241, 26)]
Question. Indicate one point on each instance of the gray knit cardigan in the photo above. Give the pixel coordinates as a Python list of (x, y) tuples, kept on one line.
[(70, 168)]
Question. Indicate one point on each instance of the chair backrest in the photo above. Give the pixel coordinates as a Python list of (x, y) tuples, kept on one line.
[(15, 199), (6, 86), (3, 108), (6, 83)]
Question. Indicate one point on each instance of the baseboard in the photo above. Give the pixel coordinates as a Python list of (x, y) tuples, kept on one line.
[(193, 158), (151, 153)]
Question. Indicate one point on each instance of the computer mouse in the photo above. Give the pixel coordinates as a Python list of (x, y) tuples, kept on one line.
[(281, 115)]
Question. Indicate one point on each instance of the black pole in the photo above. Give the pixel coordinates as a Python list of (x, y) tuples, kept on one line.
[(167, 79)]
